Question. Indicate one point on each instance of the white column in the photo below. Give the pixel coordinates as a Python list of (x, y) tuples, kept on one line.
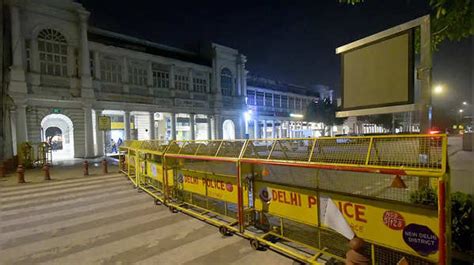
[(192, 122), (17, 73), (280, 130), (289, 132), (264, 134), (242, 130), (255, 129), (88, 132), (86, 80), (273, 129), (99, 135), (151, 128), (20, 124), (209, 128), (173, 126), (126, 124), (218, 126), (17, 38)]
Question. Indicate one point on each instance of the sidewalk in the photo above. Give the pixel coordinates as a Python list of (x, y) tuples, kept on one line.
[(461, 164), (62, 170)]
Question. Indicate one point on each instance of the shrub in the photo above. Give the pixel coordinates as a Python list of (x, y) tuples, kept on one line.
[(462, 223)]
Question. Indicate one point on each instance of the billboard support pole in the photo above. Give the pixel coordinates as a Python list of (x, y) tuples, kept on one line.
[(424, 75)]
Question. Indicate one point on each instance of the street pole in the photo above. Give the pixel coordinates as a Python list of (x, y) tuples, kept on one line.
[(424, 75)]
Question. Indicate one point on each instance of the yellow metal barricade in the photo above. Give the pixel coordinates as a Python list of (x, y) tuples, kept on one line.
[(306, 198), (304, 190), (150, 175), (130, 151), (205, 180)]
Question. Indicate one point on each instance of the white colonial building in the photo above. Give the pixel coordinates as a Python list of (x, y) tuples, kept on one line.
[(64, 74), (277, 109)]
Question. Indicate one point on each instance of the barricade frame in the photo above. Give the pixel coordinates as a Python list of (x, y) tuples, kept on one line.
[(439, 171), (441, 174), (226, 224), (145, 156)]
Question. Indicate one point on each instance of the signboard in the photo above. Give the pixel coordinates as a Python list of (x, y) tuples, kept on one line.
[(56, 110), (291, 203), (214, 186), (104, 123), (379, 74), (407, 228)]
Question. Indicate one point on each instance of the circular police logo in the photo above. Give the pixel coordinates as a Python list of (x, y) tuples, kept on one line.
[(265, 195)]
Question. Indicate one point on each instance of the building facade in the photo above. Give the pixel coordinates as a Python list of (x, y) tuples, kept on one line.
[(64, 74), (277, 109)]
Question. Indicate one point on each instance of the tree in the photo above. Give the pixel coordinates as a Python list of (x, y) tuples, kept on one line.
[(450, 19), (323, 111)]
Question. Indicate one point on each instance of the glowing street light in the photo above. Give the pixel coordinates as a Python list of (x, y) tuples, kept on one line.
[(438, 89), (464, 103), (461, 111), (248, 115), (294, 115)]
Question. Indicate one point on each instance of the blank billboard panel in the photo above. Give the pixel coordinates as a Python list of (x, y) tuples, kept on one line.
[(379, 74)]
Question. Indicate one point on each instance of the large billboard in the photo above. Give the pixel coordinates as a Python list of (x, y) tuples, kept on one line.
[(379, 73)]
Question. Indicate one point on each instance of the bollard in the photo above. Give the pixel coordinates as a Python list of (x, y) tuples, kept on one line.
[(86, 168), (122, 162), (46, 172), (21, 174), (104, 166), (2, 170)]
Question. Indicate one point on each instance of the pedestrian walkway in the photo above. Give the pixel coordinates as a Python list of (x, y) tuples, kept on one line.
[(104, 220), (461, 164)]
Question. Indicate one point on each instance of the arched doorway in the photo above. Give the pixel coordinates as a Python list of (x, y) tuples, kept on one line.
[(58, 131), (54, 136), (228, 130)]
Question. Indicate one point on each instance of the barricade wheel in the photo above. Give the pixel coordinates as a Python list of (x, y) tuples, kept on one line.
[(158, 202), (256, 245), (224, 231), (173, 210), (139, 190)]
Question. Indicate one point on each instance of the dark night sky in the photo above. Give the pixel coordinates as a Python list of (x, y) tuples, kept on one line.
[(291, 41)]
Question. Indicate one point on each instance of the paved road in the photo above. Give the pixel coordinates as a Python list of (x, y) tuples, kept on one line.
[(103, 220)]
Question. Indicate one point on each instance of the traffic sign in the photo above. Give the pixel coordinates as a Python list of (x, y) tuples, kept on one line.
[(104, 123)]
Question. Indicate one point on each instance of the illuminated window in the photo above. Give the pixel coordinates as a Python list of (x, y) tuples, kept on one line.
[(226, 82), (182, 82), (110, 69), (52, 48), (137, 74), (276, 101), (298, 103), (260, 98), (268, 99), (161, 79), (250, 97), (291, 103), (199, 85), (284, 102)]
